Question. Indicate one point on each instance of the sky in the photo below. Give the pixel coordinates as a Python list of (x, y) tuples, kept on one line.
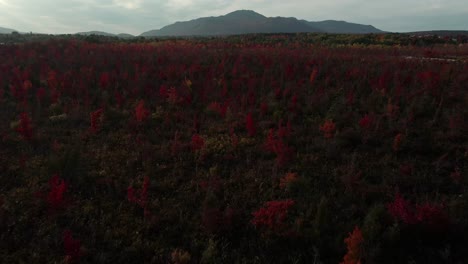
[(138, 16)]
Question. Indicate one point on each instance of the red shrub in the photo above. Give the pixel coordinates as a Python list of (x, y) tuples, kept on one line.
[(366, 122), (293, 104), (401, 210), (173, 96), (278, 93), (139, 197), (288, 179), (197, 142), (353, 244), (71, 246), (250, 125), (141, 113), (284, 131), (406, 169), (328, 128), (40, 94), (95, 120), (220, 109), (313, 75), (275, 144), (25, 128), (273, 215), (57, 188), (397, 141), (104, 80), (432, 216)]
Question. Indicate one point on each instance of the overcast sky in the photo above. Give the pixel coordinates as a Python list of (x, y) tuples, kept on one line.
[(137, 16)]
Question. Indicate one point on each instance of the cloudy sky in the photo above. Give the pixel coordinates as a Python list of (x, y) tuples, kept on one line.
[(137, 16)]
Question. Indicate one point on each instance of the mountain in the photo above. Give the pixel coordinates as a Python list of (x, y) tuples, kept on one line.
[(6, 30), (441, 33), (237, 22), (343, 27), (248, 21), (125, 36)]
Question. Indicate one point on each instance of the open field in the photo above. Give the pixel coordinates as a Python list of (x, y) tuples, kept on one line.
[(211, 151)]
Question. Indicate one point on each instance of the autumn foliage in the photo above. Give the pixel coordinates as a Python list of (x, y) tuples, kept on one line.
[(430, 215), (264, 148), (354, 247), (72, 247), (95, 120), (273, 215), (57, 189), (328, 128), (25, 127), (140, 196)]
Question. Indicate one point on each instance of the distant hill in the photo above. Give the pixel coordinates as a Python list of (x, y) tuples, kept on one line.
[(248, 21), (238, 22), (125, 36), (6, 30), (441, 33), (343, 27), (101, 33), (98, 33)]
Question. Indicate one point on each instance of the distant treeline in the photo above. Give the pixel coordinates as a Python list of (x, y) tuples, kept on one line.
[(385, 39)]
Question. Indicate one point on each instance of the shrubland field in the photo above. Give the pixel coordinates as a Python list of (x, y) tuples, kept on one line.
[(247, 150)]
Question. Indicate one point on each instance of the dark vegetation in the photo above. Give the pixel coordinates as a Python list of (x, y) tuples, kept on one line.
[(248, 149)]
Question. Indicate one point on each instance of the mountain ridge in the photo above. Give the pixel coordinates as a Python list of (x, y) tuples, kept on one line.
[(248, 21), (6, 30)]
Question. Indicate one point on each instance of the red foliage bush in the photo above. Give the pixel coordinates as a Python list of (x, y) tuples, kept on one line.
[(401, 209), (197, 142), (40, 94), (273, 215), (139, 197), (431, 216), (276, 144), (250, 125), (353, 244), (328, 128), (219, 108), (57, 189), (72, 246), (95, 120), (397, 141), (25, 128), (141, 113), (313, 75), (288, 179), (366, 122), (104, 80)]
